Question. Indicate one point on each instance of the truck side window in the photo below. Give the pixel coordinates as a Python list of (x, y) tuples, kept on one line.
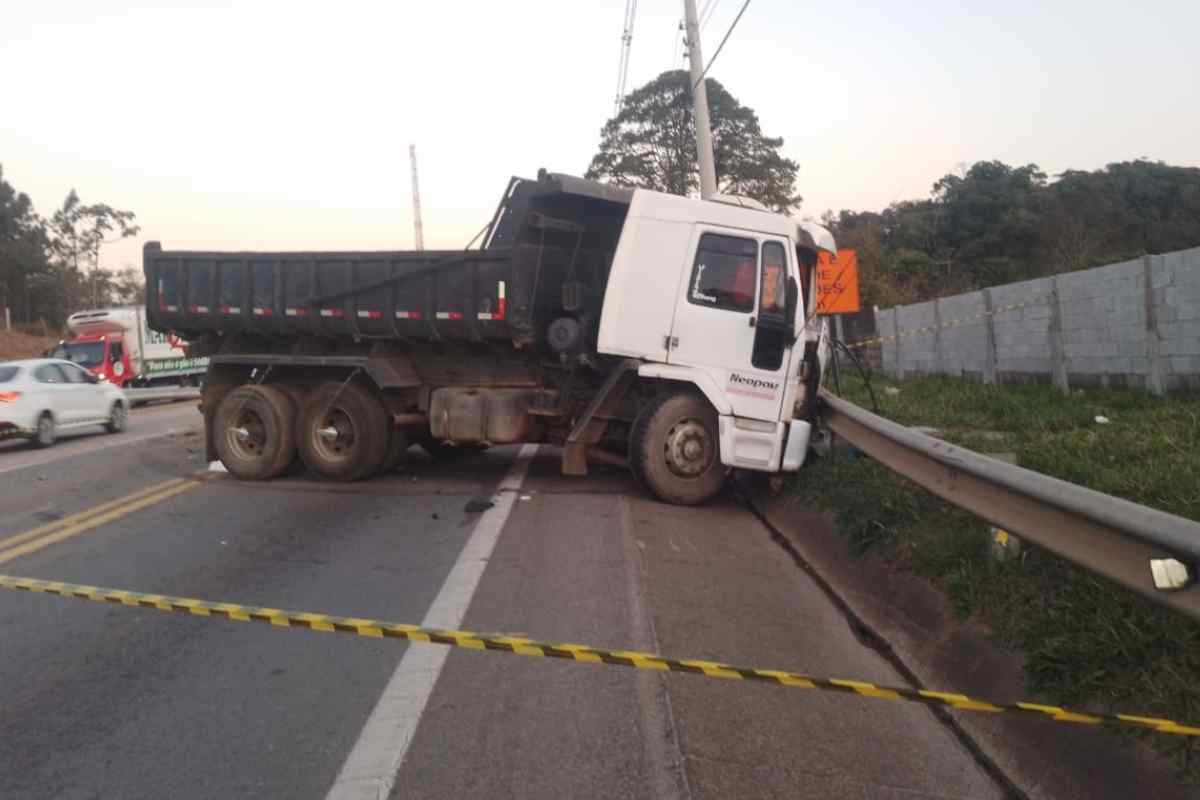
[(723, 275), (773, 295), (115, 352)]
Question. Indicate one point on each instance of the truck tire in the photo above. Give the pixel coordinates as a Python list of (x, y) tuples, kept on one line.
[(674, 449), (255, 432), (344, 432), (296, 396)]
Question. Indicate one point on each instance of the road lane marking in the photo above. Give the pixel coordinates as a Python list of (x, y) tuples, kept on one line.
[(70, 527), (371, 768), (62, 522), (93, 443)]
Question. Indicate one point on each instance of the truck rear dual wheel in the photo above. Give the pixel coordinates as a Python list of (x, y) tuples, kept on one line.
[(255, 437), (344, 432), (674, 449)]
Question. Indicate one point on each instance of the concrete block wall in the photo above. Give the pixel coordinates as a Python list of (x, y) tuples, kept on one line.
[(963, 342), (1022, 334), (1134, 324)]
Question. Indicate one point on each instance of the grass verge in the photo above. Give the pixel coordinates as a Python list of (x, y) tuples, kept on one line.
[(1085, 641)]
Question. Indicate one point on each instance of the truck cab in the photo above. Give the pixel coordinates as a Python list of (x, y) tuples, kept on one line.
[(719, 294), (105, 355)]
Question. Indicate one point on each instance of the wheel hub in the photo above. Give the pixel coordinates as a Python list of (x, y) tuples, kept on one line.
[(335, 437), (248, 435), (689, 448)]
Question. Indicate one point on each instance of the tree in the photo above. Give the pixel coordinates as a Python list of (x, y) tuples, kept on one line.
[(128, 287), (49, 269), (651, 143), (991, 224), (78, 231), (988, 220), (22, 249)]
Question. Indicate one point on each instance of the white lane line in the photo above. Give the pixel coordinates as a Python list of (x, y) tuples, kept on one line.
[(63, 449), (371, 768)]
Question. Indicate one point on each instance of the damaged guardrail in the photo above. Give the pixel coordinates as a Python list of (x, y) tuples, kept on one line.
[(1151, 552)]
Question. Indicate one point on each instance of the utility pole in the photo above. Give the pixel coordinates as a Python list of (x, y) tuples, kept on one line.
[(708, 172), (418, 233)]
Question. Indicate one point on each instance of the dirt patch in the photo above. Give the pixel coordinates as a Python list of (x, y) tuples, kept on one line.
[(14, 345)]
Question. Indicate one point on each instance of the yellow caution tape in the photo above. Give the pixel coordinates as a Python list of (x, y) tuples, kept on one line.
[(519, 645)]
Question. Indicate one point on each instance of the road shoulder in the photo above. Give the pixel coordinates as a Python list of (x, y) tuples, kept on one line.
[(945, 653)]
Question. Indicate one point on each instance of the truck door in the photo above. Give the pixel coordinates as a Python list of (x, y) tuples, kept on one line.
[(729, 320)]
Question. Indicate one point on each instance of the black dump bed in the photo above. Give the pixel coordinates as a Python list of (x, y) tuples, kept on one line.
[(548, 248)]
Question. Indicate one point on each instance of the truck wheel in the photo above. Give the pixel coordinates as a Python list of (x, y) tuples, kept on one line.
[(674, 449), (296, 396), (397, 447), (255, 432), (343, 432)]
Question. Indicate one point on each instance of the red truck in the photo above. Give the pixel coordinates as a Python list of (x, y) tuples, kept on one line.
[(117, 345)]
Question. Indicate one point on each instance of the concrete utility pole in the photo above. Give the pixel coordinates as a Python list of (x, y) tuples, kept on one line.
[(418, 233), (708, 172)]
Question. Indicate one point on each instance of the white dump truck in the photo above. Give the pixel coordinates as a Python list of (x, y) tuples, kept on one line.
[(669, 334)]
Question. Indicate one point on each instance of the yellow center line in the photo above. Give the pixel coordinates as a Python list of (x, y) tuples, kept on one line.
[(71, 519), (69, 527)]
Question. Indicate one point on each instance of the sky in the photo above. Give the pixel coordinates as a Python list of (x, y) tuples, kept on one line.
[(286, 125)]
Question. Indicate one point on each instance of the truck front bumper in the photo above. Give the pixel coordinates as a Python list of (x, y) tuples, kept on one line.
[(794, 453)]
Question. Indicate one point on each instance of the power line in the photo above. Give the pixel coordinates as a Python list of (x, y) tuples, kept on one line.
[(626, 42), (722, 44), (710, 10)]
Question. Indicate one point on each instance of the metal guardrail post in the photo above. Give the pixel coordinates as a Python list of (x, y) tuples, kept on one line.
[(1125, 542)]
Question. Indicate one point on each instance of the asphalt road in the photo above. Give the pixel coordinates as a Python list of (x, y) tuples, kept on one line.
[(106, 701)]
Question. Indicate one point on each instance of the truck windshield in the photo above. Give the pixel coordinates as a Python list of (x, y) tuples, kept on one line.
[(85, 354)]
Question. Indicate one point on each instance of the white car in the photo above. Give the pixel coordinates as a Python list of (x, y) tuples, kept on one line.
[(40, 397)]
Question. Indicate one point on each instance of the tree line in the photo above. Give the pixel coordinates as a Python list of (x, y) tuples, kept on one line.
[(50, 268), (984, 225), (992, 223)]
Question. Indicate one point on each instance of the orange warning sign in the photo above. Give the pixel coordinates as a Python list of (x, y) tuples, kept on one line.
[(837, 283)]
